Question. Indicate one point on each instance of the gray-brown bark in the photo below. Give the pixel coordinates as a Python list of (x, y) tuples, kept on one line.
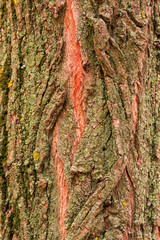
[(79, 119)]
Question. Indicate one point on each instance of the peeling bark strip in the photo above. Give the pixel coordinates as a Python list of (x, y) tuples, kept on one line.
[(76, 74)]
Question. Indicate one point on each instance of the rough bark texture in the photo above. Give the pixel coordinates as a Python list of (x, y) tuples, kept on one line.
[(79, 119)]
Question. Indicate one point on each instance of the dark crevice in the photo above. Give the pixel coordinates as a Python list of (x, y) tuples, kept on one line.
[(48, 209), (10, 225), (142, 230), (109, 138), (3, 11), (4, 80), (105, 99), (30, 6), (20, 70), (122, 101), (14, 19), (139, 24)]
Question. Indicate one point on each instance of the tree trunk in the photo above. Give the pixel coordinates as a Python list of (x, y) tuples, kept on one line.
[(79, 119)]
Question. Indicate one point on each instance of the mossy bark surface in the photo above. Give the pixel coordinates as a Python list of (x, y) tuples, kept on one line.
[(79, 119)]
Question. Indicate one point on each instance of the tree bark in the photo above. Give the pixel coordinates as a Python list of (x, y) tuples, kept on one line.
[(79, 119)]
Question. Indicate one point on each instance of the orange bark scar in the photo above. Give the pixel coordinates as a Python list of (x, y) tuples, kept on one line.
[(62, 185), (75, 70)]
